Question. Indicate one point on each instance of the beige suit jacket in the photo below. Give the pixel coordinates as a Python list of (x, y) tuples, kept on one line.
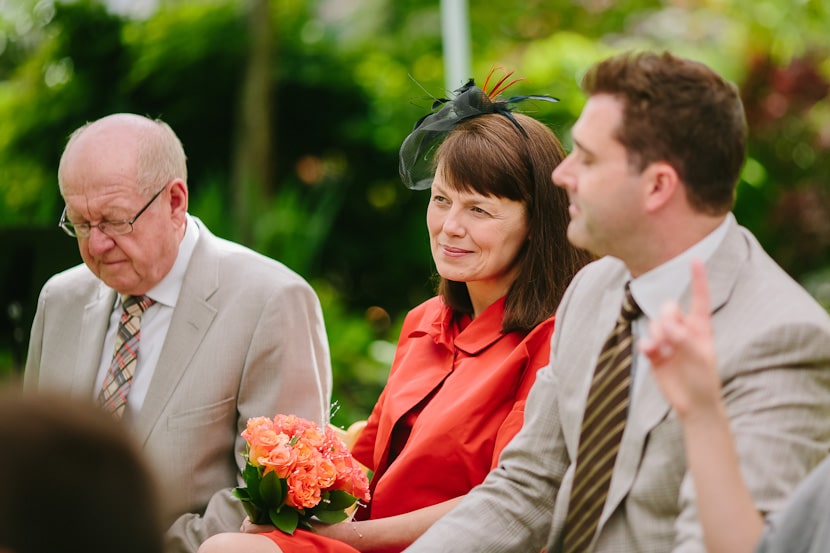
[(246, 339), (773, 345)]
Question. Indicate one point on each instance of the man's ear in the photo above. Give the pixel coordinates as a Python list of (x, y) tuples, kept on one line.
[(178, 199), (662, 185)]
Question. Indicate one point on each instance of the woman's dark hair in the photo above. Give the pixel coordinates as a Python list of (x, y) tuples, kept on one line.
[(490, 156)]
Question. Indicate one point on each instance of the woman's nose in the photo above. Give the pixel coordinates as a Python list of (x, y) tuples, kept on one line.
[(452, 223)]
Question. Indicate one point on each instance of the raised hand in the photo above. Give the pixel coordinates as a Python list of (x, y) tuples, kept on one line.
[(681, 350)]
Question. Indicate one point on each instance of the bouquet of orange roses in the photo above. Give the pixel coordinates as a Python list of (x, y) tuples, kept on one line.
[(294, 471)]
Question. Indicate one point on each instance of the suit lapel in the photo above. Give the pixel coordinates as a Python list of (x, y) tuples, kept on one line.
[(723, 267), (646, 411), (595, 329), (94, 323), (191, 320)]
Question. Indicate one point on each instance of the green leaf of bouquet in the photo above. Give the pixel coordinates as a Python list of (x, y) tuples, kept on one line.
[(272, 490), (252, 476), (242, 494), (331, 517), (285, 519), (336, 500), (305, 524), (257, 515)]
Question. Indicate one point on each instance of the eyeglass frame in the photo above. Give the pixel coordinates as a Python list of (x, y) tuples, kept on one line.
[(72, 230)]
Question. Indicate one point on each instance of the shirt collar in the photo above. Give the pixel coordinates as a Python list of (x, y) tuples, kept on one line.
[(167, 291), (669, 280)]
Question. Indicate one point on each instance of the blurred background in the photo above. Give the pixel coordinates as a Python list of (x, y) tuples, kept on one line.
[(292, 111)]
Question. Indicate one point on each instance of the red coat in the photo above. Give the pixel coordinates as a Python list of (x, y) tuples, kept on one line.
[(480, 378), (477, 380)]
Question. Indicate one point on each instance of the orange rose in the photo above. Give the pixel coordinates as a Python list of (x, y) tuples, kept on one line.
[(261, 438), (303, 491), (326, 473), (280, 459), (306, 455), (313, 437)]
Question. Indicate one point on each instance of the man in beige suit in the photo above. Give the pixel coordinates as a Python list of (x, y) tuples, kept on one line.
[(230, 334), (657, 151)]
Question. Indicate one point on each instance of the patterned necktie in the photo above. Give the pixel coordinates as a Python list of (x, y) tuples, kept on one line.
[(606, 411), (119, 379)]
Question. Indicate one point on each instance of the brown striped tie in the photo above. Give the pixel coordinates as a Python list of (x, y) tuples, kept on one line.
[(602, 428), (119, 379)]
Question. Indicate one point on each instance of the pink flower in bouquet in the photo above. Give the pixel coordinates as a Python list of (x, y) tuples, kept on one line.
[(295, 471), (351, 478), (302, 429), (353, 481)]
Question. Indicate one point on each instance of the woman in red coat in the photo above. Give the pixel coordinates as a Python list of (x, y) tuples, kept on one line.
[(466, 358)]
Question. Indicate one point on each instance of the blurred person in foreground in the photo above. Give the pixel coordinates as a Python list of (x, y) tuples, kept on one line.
[(599, 464), (681, 350), (467, 357), (72, 480), (181, 335)]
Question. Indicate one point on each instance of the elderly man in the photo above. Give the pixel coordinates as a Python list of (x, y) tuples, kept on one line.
[(181, 335)]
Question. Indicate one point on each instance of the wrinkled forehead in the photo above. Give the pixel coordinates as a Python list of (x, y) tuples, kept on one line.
[(92, 203)]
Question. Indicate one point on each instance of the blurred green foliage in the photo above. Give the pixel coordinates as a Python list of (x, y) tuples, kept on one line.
[(348, 79)]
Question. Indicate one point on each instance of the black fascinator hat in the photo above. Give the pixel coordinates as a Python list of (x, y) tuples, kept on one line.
[(416, 155)]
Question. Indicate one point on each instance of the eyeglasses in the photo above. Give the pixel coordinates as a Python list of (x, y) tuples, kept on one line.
[(110, 228)]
